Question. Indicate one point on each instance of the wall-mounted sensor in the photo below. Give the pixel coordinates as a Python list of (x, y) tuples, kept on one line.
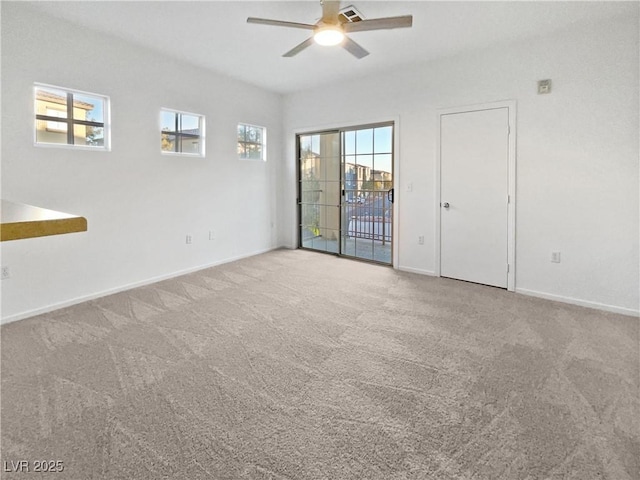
[(544, 86)]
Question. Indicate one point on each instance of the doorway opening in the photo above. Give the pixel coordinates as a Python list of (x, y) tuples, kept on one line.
[(345, 192)]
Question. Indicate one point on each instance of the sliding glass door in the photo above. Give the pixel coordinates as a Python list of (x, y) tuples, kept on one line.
[(345, 192)]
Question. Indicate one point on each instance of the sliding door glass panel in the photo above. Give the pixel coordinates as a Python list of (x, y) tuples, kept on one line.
[(368, 180), (319, 191)]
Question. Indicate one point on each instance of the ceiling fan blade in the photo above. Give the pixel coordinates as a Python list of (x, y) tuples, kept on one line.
[(298, 48), (330, 11), (378, 24), (280, 23), (353, 48)]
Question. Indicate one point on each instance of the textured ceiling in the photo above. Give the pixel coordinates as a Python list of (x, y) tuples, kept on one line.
[(215, 35)]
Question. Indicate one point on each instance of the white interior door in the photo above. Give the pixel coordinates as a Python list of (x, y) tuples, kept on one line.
[(474, 188)]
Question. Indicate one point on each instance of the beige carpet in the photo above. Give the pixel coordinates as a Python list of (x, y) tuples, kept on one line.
[(298, 365)]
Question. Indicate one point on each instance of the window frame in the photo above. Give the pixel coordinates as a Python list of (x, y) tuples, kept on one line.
[(70, 121), (201, 136), (263, 144)]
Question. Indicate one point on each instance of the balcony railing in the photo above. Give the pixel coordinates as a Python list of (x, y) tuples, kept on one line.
[(368, 216)]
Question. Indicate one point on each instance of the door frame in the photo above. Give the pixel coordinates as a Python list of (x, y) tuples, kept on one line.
[(510, 105), (391, 119)]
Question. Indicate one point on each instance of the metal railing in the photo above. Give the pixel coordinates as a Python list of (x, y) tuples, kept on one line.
[(368, 215)]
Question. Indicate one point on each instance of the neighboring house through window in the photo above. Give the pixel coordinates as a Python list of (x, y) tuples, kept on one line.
[(71, 118), (56, 126)]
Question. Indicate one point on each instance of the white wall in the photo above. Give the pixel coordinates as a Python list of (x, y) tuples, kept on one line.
[(577, 154), (139, 204)]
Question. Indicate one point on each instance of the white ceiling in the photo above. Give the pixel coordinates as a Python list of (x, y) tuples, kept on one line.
[(215, 35)]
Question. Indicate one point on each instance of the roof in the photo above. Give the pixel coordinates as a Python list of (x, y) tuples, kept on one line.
[(46, 96)]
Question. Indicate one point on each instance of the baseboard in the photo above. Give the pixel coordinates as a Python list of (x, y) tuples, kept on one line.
[(111, 291), (85, 298), (419, 271), (579, 302)]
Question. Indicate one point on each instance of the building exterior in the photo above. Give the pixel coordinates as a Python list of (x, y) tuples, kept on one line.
[(54, 105)]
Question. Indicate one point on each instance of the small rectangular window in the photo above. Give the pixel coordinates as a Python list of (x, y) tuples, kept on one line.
[(252, 142), (71, 118), (181, 133)]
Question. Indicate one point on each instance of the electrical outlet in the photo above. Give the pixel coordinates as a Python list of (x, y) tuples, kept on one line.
[(6, 273), (189, 239), (555, 257), (421, 240), (212, 235), (409, 187)]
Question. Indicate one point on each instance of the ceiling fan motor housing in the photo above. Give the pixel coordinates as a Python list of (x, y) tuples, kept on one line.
[(332, 28)]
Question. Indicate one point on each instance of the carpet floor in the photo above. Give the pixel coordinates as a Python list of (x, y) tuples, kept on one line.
[(299, 365)]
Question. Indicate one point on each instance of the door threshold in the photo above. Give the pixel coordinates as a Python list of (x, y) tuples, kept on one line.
[(348, 257)]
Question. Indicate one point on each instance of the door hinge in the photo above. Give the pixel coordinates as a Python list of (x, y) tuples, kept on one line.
[(507, 268), (508, 198), (509, 129)]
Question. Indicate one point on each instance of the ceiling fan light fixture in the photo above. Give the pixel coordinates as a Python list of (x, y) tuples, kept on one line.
[(329, 36), (334, 25)]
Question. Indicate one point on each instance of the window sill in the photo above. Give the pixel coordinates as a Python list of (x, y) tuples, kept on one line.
[(180, 154), (66, 146)]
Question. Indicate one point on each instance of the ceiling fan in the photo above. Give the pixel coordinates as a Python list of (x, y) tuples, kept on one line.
[(330, 30)]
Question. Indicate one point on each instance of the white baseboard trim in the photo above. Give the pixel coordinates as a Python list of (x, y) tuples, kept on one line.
[(111, 291), (579, 302), (417, 270), (104, 293)]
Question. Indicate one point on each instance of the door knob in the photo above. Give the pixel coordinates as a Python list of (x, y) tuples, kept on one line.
[(445, 204)]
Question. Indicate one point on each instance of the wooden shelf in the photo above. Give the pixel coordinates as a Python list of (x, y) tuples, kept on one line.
[(26, 221)]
